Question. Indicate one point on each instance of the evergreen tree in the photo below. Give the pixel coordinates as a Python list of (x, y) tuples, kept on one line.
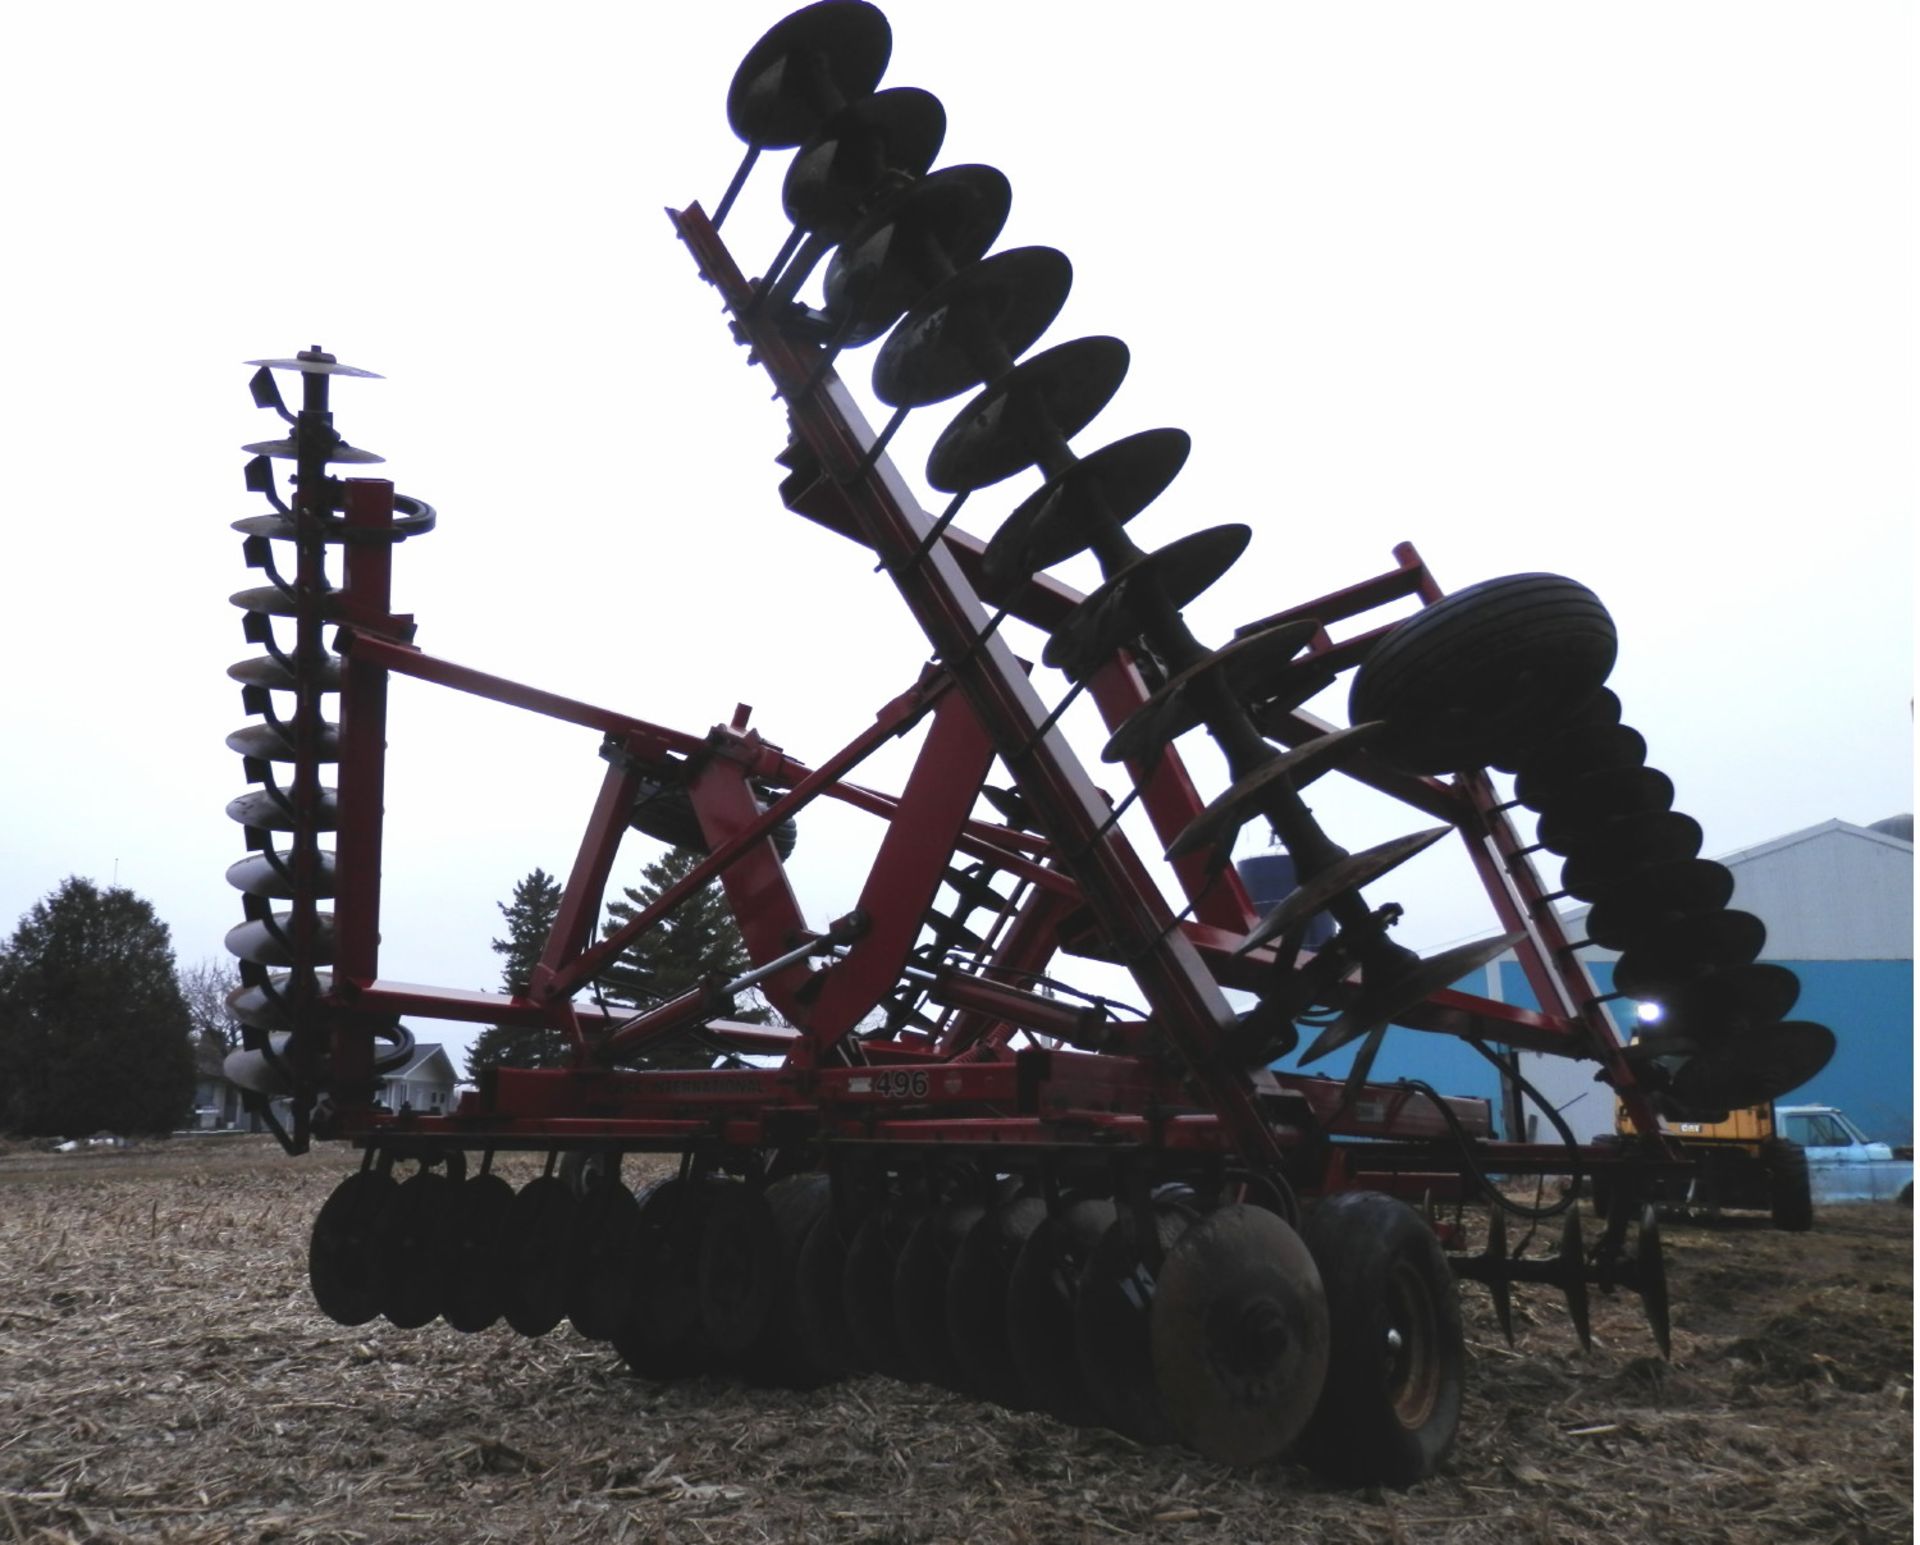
[(698, 939), (530, 915), (94, 1034)]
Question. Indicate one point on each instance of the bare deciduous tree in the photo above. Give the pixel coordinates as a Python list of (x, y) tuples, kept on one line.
[(205, 985)]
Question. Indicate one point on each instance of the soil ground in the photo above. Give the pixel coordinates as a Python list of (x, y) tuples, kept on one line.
[(164, 1376)]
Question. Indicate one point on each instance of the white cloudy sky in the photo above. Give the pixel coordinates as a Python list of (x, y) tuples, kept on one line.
[(1621, 292)]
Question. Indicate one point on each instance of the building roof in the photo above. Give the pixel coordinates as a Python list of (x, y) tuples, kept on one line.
[(423, 1053)]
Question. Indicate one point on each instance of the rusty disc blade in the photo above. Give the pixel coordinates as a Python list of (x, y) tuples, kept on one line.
[(1031, 411), (1295, 769), (1348, 874), (1240, 667), (1128, 603), (857, 153), (1240, 1339), (904, 248), (968, 329), (1077, 506), (805, 68)]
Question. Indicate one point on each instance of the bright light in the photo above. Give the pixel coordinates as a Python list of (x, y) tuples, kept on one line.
[(1650, 1013)]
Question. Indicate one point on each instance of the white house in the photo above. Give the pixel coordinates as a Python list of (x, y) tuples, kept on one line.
[(424, 1085)]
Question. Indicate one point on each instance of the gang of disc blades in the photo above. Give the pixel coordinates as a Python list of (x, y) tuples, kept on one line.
[(1037, 406), (836, 175), (1240, 1338), (1126, 604), (965, 330), (909, 244), (804, 69), (1076, 506)]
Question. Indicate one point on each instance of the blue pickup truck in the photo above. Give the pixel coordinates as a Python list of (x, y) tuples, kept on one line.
[(1843, 1164)]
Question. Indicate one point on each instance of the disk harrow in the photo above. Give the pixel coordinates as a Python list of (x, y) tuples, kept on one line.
[(946, 1163)]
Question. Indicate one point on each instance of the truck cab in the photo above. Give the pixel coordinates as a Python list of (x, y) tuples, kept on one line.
[(1844, 1164)]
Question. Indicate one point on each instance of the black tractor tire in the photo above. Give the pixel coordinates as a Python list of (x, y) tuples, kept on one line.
[(1485, 673), (1789, 1185), (1390, 1407)]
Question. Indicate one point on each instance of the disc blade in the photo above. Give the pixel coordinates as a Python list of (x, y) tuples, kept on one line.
[(1351, 873), (289, 450), (1379, 1003), (967, 330), (261, 811), (1091, 496), (1239, 1336), (859, 151), (472, 1300), (976, 1293), (910, 243), (316, 367), (920, 1295), (258, 876), (1112, 1324), (1042, 1291), (1121, 608), (1038, 405), (1294, 769), (1760, 1064), (1237, 668), (1691, 949), (804, 68), (270, 946)]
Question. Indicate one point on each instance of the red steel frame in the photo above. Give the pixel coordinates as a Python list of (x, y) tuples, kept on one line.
[(1008, 1068)]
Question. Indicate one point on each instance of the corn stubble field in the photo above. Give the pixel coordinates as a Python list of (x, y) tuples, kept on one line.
[(163, 1376)]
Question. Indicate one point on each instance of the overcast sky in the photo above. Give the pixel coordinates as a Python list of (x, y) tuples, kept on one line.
[(1622, 292)]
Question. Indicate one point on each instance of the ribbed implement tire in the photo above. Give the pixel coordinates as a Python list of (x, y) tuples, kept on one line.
[(1482, 674), (1390, 1406), (1789, 1185)]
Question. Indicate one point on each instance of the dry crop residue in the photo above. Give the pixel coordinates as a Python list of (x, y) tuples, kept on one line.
[(164, 1377)]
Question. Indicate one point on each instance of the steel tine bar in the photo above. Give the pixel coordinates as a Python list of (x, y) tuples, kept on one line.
[(918, 555), (734, 187)]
